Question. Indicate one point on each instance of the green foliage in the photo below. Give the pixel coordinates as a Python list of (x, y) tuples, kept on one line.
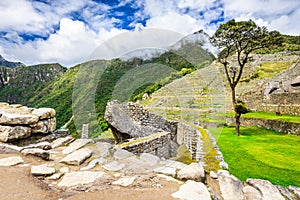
[(241, 108), (261, 153)]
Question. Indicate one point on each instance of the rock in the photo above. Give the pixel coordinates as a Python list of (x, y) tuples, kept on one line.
[(44, 126), (295, 190), (230, 186), (149, 159), (40, 145), (122, 154), (11, 133), (169, 178), (44, 113), (11, 161), (61, 141), (250, 193), (42, 170), (137, 166), (124, 127), (268, 191), (55, 176), (213, 175), (36, 152), (192, 190), (175, 164), (64, 170), (77, 144), (114, 166), (125, 181), (77, 157), (93, 163), (166, 170), (194, 171), (79, 178), (285, 192), (17, 118), (104, 148), (8, 148)]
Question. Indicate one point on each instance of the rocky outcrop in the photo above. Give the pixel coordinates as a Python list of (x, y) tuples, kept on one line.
[(18, 122)]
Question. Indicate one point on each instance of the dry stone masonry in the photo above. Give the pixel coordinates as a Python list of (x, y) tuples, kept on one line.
[(18, 122)]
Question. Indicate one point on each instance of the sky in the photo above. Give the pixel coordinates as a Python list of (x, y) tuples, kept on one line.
[(67, 31)]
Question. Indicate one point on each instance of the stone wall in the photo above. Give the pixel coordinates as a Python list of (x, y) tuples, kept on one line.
[(160, 145), (280, 126), (18, 122)]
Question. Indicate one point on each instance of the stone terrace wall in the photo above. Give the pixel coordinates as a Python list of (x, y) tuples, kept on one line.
[(161, 145), (280, 126)]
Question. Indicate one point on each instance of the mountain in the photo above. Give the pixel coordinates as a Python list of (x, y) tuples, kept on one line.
[(9, 64), (19, 84)]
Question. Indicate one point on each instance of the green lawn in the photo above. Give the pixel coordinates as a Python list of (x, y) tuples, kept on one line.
[(270, 116), (261, 153)]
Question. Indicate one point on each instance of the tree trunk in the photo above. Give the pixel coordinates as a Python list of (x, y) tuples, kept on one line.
[(237, 115)]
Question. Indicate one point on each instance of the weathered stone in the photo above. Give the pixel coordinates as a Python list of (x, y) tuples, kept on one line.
[(55, 176), (44, 126), (93, 163), (64, 170), (8, 148), (77, 144), (44, 113), (149, 159), (40, 145), (194, 171), (169, 178), (114, 166), (230, 186), (268, 191), (104, 148), (17, 119), (36, 152), (122, 154), (77, 157), (295, 190), (79, 178), (192, 190), (166, 170), (213, 175), (61, 141), (125, 181), (11, 161), (11, 133), (250, 193), (42, 170), (285, 192), (174, 164)]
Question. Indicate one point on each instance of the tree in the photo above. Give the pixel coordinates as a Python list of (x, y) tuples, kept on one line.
[(240, 39)]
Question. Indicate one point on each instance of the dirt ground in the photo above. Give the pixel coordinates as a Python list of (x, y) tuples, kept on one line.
[(16, 183)]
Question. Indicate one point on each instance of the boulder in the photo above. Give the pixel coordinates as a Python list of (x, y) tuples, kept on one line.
[(42, 170), (295, 190), (285, 192), (192, 190), (44, 113), (36, 152), (8, 148), (11, 133), (194, 171), (80, 178), (77, 144), (149, 159), (250, 193), (104, 148), (266, 188), (44, 126), (230, 186), (11, 161), (77, 157), (17, 119)]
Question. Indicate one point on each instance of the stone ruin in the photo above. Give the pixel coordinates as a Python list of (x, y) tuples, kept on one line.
[(19, 122)]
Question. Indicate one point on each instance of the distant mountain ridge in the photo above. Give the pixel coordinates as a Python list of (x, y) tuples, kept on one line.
[(9, 64)]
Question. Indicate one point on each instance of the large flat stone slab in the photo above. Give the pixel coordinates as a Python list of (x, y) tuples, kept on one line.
[(194, 171), (77, 157), (170, 171), (104, 148), (11, 161), (10, 133), (42, 170), (125, 181), (149, 159), (122, 154), (8, 148), (61, 141), (79, 178), (114, 166), (192, 190), (36, 152), (77, 144), (267, 189), (40, 145)]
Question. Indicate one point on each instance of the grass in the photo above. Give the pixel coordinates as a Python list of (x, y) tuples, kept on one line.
[(269, 69), (271, 116), (261, 153)]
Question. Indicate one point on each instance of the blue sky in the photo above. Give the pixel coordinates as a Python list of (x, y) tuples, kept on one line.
[(67, 31)]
